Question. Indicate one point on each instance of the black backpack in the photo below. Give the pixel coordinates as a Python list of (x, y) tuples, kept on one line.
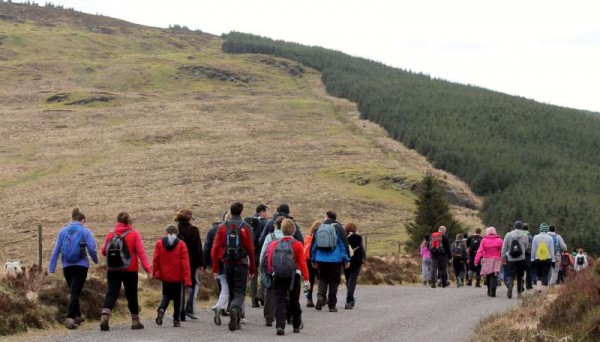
[(254, 224), (118, 256), (234, 251), (475, 242), (515, 250), (581, 260)]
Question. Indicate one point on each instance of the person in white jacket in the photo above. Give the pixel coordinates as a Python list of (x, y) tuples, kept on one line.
[(559, 247), (543, 256), (580, 261)]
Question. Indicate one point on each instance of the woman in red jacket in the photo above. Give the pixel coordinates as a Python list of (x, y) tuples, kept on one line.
[(287, 286), (122, 248), (171, 265)]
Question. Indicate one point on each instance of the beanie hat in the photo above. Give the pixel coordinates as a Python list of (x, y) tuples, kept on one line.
[(544, 228), (490, 231), (518, 225), (283, 209)]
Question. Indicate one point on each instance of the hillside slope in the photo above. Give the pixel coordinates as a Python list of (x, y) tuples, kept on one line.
[(111, 116)]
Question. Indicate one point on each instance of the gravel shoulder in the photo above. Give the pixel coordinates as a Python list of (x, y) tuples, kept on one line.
[(382, 313)]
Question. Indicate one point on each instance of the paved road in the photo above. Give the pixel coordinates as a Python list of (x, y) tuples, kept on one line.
[(384, 313)]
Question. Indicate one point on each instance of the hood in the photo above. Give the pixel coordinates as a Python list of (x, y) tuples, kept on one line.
[(552, 233), (169, 243), (492, 237), (121, 228), (74, 224)]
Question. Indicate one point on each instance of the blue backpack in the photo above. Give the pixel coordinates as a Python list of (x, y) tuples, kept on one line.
[(73, 245)]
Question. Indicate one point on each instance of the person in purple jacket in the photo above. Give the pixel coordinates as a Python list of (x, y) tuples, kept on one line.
[(73, 243)]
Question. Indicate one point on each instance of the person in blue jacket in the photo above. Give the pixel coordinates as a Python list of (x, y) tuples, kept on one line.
[(73, 244), (330, 253)]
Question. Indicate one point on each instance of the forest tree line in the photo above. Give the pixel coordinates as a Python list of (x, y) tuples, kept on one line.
[(531, 161)]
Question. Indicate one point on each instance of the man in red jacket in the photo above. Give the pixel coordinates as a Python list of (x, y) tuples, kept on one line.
[(172, 267), (233, 246)]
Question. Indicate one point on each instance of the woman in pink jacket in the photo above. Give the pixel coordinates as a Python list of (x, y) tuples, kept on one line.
[(490, 256)]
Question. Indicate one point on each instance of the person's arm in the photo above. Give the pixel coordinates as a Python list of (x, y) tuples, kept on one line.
[(342, 234), (479, 254), (55, 252), (300, 259), (217, 248), (552, 252), (247, 241), (298, 233), (446, 244), (141, 252), (155, 261), (266, 243), (562, 244), (364, 250), (465, 255), (200, 252), (185, 265), (208, 243), (534, 246), (91, 246), (106, 241), (505, 246)]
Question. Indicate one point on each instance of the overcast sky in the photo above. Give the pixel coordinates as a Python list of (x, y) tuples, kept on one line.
[(545, 50)]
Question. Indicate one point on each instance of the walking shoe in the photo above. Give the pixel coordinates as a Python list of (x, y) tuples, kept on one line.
[(243, 321), (233, 319), (469, 282), (70, 324), (477, 283), (136, 324), (433, 286), (333, 309), (280, 331), (320, 303), (191, 315), (80, 319), (159, 316), (509, 292), (217, 318), (269, 323), (224, 313), (104, 323), (309, 303), (176, 324), (255, 303), (349, 306)]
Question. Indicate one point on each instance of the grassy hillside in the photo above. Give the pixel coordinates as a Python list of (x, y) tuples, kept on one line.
[(531, 161), (111, 116)]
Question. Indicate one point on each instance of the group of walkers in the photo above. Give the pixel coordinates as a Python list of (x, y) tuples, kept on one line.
[(520, 257), (236, 249)]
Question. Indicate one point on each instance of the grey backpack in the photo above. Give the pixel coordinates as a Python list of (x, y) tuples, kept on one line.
[(118, 256), (282, 260), (326, 237)]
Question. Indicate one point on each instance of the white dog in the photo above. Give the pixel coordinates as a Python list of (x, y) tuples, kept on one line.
[(12, 268)]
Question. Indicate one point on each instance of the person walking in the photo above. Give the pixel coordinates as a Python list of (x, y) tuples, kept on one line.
[(440, 254), (190, 235), (282, 210), (312, 271), (459, 258), (543, 257), (529, 269), (233, 245), (122, 248), (269, 295), (259, 221), (559, 247), (286, 261), (73, 244), (220, 307), (473, 243), (425, 262), (171, 265), (358, 257), (330, 252), (514, 247), (580, 261), (489, 255)]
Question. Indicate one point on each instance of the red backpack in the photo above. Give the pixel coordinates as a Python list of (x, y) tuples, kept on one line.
[(435, 244)]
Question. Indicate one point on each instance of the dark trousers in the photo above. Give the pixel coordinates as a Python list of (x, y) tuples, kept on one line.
[(75, 277), (528, 273), (439, 267), (351, 275), (287, 301), (542, 271), (516, 269), (191, 291), (270, 305), (330, 276), (130, 282), (474, 270), (256, 290), (459, 270), (172, 292), (312, 274), (237, 277), (492, 284)]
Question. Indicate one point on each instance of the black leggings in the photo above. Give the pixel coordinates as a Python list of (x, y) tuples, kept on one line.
[(75, 277), (172, 292), (130, 282), (312, 274), (542, 270)]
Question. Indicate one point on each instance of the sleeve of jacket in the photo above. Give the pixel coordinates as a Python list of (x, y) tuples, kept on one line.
[(562, 244), (534, 246), (105, 244), (200, 251), (446, 244), (342, 234), (465, 255), (185, 265), (216, 253), (91, 246), (298, 234), (208, 243), (247, 241), (265, 244), (141, 252), (479, 254), (156, 261), (55, 252), (505, 246), (300, 259)]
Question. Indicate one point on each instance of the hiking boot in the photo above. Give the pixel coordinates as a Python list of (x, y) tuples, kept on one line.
[(255, 303), (349, 306), (191, 315), (80, 319), (136, 324), (269, 323), (280, 331), (233, 319), (104, 323), (224, 313), (176, 324), (297, 330), (477, 283), (159, 316), (243, 321), (217, 318), (70, 324), (320, 303), (309, 303), (333, 309), (509, 292)]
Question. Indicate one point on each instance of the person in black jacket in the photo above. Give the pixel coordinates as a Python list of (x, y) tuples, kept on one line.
[(259, 220), (358, 257), (191, 236), (282, 210)]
